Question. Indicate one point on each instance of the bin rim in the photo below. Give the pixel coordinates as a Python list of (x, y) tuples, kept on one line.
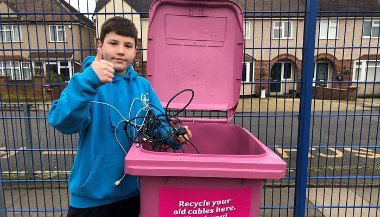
[(140, 162)]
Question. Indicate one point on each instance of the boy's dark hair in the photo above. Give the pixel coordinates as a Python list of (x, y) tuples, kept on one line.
[(119, 25)]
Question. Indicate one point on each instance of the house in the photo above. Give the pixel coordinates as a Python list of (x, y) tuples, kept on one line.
[(346, 46), (39, 39), (346, 53)]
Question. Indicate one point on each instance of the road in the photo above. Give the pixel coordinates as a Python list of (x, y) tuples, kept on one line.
[(341, 144)]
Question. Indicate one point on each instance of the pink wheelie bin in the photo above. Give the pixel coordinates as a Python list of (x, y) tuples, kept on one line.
[(199, 45)]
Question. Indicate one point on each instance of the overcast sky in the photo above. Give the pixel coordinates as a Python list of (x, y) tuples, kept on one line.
[(84, 6)]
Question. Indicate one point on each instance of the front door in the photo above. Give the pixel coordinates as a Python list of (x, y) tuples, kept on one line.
[(275, 85), (281, 77), (321, 74)]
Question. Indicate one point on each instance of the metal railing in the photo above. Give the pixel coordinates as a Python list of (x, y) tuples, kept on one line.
[(310, 92)]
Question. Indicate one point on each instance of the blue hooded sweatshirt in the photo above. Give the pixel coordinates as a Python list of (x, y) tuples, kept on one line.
[(96, 111)]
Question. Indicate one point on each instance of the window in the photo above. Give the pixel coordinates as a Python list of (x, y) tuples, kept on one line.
[(16, 70), (51, 67), (10, 33), (62, 68), (371, 28), (367, 71), (38, 68), (248, 72), (282, 29), (287, 71), (11, 69), (247, 30), (328, 29), (57, 33), (2, 70), (26, 71)]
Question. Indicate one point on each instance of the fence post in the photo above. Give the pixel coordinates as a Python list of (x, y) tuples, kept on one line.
[(28, 138), (305, 107)]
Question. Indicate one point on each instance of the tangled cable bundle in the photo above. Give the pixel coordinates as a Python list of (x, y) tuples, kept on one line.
[(158, 128)]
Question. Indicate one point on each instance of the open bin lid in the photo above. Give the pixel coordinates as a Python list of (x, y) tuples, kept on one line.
[(196, 45)]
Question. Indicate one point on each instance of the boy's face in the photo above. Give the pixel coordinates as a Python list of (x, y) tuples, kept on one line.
[(119, 50)]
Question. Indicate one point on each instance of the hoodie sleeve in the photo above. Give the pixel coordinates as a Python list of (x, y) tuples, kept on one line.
[(70, 113)]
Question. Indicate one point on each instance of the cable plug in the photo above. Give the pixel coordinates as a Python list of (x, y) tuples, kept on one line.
[(116, 183), (180, 131)]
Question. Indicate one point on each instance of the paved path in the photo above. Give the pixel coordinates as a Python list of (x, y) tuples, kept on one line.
[(345, 202)]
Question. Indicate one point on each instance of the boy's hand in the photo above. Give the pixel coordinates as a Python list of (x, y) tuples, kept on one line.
[(103, 68), (184, 138)]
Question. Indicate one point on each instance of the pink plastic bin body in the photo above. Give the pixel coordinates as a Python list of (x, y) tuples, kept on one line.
[(231, 160), (199, 45)]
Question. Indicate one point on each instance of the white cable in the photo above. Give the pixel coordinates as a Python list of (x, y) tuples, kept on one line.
[(103, 103), (138, 183), (144, 108), (117, 140), (119, 181), (137, 127)]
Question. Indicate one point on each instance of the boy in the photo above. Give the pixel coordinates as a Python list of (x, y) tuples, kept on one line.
[(95, 104)]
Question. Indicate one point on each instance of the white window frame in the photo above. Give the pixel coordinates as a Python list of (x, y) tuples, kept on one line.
[(59, 67), (283, 71), (69, 66), (330, 27), (13, 34), (372, 25), (2, 69), (247, 30), (40, 67), (26, 73), (248, 71), (57, 30), (281, 28), (17, 70), (362, 75)]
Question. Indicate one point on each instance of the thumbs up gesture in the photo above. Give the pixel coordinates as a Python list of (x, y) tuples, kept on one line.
[(103, 68)]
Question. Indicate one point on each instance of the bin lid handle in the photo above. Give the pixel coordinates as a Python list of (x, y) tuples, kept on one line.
[(231, 113)]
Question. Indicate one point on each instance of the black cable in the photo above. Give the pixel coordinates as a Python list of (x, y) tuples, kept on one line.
[(180, 111), (152, 130)]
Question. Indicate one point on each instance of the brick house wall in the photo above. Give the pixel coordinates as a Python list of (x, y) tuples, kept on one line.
[(30, 90), (349, 93), (345, 89), (139, 64)]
